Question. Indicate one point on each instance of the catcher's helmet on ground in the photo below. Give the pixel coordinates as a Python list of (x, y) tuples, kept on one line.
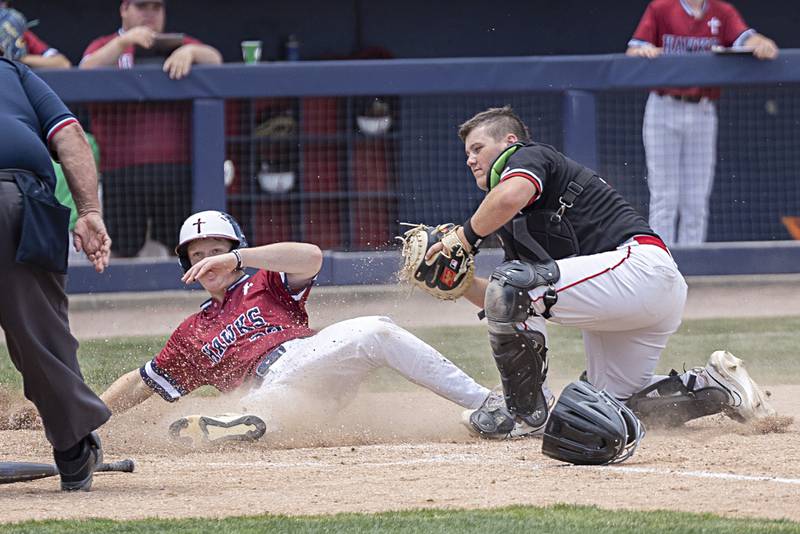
[(204, 224), (589, 427)]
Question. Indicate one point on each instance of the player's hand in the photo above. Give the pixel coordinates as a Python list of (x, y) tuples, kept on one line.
[(649, 52), (179, 63), (438, 247), (140, 35), (765, 49), (91, 237), (215, 266)]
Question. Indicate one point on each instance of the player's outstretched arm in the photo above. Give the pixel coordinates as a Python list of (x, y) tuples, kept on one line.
[(127, 391), (300, 261)]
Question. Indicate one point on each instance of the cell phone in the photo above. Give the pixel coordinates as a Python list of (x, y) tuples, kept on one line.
[(167, 43)]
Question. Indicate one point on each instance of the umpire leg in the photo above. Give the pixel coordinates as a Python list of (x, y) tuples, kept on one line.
[(33, 314)]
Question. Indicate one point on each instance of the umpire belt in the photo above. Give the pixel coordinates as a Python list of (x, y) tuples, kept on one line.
[(267, 360)]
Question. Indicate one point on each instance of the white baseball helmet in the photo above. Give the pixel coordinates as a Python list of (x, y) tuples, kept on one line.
[(211, 223)]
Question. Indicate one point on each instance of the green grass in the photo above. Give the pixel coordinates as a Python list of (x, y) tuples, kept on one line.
[(560, 519), (768, 345)]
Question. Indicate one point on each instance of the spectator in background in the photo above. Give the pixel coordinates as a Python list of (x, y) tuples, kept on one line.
[(680, 124), (40, 54), (145, 145)]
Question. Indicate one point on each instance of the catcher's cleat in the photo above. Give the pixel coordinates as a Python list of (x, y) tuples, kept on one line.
[(204, 429), (746, 400), (494, 421)]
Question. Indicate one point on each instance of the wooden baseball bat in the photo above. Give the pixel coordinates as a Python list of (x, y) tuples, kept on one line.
[(11, 472)]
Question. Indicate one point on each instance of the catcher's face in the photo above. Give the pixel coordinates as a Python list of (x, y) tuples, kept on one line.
[(482, 149), (207, 247), (150, 14)]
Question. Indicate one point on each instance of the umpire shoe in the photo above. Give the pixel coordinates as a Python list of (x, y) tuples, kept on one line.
[(746, 400), (194, 430), (76, 474)]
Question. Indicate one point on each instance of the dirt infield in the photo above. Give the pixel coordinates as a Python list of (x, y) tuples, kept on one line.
[(392, 451)]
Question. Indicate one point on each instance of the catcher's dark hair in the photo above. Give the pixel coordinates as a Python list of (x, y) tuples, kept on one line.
[(498, 122)]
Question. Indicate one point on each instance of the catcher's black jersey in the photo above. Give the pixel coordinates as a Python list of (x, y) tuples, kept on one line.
[(600, 219)]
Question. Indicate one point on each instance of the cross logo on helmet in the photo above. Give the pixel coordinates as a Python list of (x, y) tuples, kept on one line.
[(198, 224)]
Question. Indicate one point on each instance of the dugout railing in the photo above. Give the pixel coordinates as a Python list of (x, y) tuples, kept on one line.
[(588, 106)]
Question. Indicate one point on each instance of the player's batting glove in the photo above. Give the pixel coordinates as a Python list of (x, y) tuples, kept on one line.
[(448, 273)]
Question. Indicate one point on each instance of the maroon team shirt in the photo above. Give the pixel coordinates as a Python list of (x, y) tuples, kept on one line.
[(669, 24), (139, 133), (223, 344)]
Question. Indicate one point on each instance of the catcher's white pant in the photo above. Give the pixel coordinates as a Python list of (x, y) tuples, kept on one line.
[(333, 363), (680, 141), (627, 302)]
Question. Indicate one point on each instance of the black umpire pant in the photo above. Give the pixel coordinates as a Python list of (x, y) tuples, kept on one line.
[(33, 314)]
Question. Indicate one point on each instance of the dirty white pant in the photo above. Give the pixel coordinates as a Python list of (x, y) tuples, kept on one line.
[(333, 363), (627, 302)]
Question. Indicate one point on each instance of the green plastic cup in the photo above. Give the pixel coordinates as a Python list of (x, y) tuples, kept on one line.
[(251, 52)]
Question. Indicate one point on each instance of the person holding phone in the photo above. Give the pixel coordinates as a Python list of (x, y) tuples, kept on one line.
[(145, 145)]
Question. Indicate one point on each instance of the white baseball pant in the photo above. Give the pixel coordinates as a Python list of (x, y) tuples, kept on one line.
[(627, 302), (333, 363), (680, 142)]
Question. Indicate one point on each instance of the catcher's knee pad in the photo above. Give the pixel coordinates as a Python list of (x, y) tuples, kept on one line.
[(671, 403), (507, 299)]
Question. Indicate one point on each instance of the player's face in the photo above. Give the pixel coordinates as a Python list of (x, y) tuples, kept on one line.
[(150, 14), (482, 149), (205, 248)]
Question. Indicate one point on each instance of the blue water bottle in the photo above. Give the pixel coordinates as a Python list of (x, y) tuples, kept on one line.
[(292, 48)]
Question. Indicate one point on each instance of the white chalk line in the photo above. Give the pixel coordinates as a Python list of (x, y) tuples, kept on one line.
[(475, 459), (695, 474)]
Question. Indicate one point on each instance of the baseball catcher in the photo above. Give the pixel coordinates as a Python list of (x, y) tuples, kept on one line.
[(445, 273), (578, 255), (12, 28)]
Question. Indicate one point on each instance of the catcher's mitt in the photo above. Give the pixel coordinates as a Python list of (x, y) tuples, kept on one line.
[(12, 28), (449, 273)]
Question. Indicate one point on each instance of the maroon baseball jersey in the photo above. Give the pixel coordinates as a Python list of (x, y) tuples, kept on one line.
[(223, 344), (139, 133), (670, 25)]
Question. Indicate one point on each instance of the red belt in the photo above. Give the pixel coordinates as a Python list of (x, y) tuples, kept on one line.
[(651, 240)]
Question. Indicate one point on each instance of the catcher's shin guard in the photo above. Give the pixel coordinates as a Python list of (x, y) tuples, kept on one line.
[(671, 403), (520, 355), (521, 359)]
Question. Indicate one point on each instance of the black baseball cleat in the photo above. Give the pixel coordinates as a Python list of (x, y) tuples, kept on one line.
[(76, 474), (493, 420)]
